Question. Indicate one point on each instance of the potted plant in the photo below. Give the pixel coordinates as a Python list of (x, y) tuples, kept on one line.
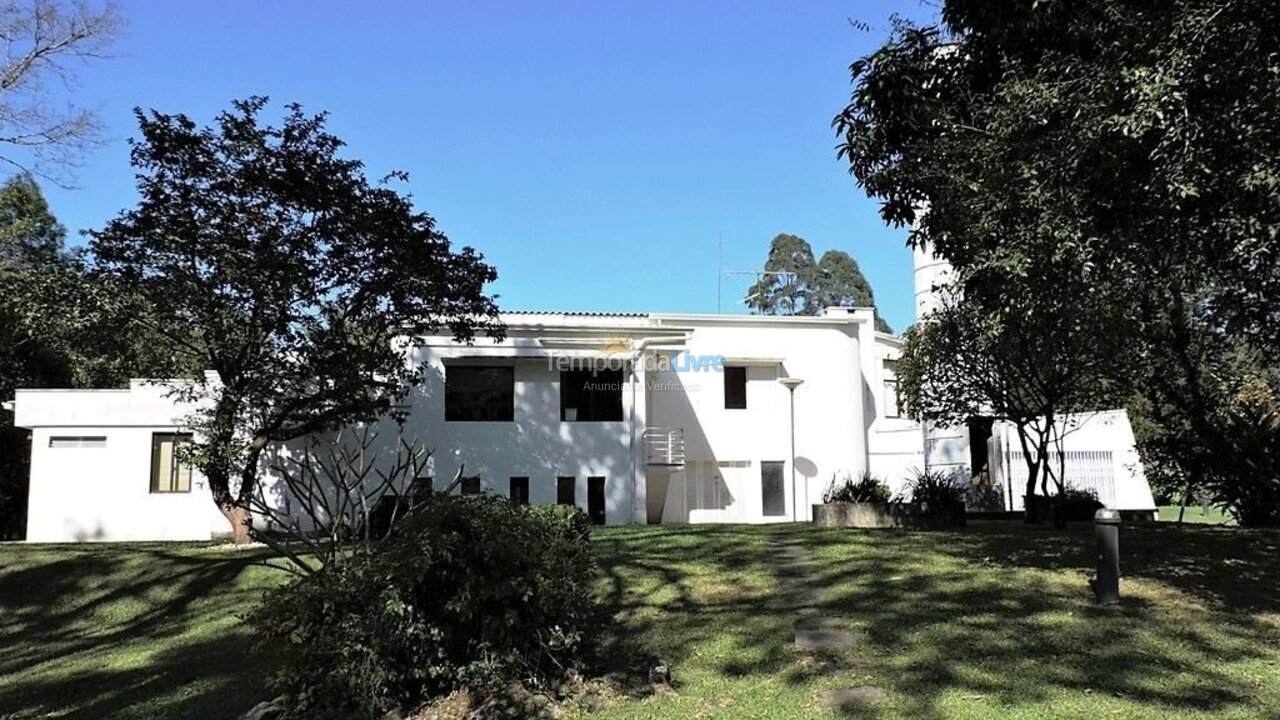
[(850, 503)]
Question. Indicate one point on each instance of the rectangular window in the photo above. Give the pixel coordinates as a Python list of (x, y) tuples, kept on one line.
[(773, 489), (473, 393), (735, 388), (595, 500), (892, 406), (519, 491), (471, 485), (168, 473), (78, 441), (591, 395), (566, 491)]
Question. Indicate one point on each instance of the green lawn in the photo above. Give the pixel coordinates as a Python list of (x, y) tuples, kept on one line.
[(1195, 514), (992, 622)]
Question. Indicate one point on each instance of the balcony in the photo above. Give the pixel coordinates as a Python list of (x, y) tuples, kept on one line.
[(664, 446)]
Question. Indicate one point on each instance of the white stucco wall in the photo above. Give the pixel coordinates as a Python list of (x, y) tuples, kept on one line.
[(103, 493), (727, 446)]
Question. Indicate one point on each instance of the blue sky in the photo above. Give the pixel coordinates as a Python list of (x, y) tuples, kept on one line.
[(597, 153)]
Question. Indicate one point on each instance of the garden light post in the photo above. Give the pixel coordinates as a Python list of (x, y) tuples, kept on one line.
[(791, 384), (1107, 529)]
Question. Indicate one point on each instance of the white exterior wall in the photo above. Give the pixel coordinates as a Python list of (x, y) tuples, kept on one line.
[(896, 444), (536, 444), (725, 447), (103, 493)]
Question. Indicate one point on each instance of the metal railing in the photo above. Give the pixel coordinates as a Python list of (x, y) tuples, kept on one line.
[(1086, 470), (664, 446)]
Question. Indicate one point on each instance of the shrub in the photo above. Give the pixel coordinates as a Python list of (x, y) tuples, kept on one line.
[(467, 592), (868, 489), (934, 489), (1079, 505)]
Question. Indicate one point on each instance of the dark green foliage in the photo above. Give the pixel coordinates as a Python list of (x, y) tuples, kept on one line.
[(867, 489), (468, 591), (1079, 505), (835, 280), (933, 489), (274, 261)]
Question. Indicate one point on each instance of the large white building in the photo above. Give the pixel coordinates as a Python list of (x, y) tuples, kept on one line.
[(635, 418)]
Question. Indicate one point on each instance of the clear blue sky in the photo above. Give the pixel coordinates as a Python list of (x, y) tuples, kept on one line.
[(595, 152)]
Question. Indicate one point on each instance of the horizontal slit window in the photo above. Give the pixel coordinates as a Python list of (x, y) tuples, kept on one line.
[(78, 441)]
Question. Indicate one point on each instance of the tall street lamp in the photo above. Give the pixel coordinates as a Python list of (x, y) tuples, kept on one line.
[(791, 383)]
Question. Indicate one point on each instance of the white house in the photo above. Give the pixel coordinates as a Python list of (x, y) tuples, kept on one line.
[(636, 418)]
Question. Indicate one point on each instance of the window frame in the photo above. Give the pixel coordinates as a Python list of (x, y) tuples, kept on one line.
[(471, 486), (176, 467)]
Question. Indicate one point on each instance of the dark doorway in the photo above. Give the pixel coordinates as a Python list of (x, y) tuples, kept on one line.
[(595, 499)]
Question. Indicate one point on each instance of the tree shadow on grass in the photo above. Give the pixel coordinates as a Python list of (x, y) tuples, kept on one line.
[(128, 631), (1002, 615), (997, 619)]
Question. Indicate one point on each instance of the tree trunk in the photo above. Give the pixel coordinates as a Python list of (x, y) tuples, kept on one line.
[(240, 520)]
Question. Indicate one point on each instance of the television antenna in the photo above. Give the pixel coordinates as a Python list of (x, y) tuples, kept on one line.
[(788, 278)]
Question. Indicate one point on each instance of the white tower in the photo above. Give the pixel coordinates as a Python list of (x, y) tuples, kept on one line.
[(946, 449)]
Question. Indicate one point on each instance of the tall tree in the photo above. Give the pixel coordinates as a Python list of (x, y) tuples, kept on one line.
[(840, 282), (272, 261), (794, 284), (1135, 144), (789, 272), (29, 233), (44, 43)]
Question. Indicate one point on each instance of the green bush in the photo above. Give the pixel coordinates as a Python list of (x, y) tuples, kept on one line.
[(1080, 505), (934, 489), (868, 489), (467, 592)]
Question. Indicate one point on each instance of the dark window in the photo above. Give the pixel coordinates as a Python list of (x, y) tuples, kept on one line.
[(592, 395), (566, 491), (772, 490), (595, 499), (475, 393), (519, 491), (471, 485), (169, 474), (735, 388)]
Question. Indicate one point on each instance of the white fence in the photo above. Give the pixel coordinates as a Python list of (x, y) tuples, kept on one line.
[(1086, 470)]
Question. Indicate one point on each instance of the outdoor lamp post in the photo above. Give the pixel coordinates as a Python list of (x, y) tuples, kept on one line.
[(791, 383)]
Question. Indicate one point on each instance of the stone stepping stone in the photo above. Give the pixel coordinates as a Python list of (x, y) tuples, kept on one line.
[(850, 698), (817, 635)]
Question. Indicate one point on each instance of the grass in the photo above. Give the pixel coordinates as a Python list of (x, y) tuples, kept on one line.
[(1195, 514), (995, 621)]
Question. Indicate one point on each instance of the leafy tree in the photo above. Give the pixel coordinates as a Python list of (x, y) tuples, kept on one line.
[(1134, 144), (29, 233), (840, 282), (45, 41), (58, 328), (1029, 364), (272, 261), (797, 285), (791, 272)]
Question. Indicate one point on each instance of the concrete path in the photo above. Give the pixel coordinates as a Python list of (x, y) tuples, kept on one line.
[(826, 644)]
